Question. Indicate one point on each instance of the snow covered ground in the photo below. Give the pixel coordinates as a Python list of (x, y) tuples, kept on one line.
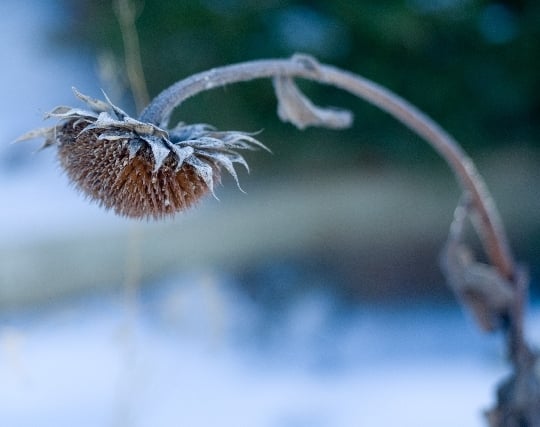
[(194, 351)]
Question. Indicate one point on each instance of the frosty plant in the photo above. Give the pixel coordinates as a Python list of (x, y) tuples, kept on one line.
[(143, 168)]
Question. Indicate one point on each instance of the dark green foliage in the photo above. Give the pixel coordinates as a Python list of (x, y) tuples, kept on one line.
[(472, 65)]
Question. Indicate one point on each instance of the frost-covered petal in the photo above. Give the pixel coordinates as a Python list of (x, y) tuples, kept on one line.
[(103, 121), (134, 145), (159, 151), (114, 136), (95, 104), (77, 122), (181, 153), (44, 132), (243, 141), (64, 112), (120, 114), (48, 133), (189, 132), (238, 158), (204, 170), (225, 161), (204, 142)]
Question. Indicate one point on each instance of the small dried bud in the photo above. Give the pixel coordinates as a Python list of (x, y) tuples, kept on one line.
[(138, 169)]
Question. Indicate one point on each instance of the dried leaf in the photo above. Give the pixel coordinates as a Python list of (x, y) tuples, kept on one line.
[(295, 108), (479, 286)]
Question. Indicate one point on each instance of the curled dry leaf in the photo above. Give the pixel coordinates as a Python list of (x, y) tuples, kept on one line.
[(295, 108), (479, 286)]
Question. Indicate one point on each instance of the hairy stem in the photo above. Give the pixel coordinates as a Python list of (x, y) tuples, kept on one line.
[(488, 223)]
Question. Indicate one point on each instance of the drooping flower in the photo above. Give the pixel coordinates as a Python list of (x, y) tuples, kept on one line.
[(138, 169)]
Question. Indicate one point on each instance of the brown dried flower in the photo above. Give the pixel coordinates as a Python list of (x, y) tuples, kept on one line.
[(139, 169)]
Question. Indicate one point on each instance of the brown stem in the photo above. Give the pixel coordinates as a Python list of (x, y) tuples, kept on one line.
[(519, 396), (488, 224)]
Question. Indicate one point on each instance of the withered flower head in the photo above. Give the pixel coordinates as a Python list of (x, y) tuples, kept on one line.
[(138, 169)]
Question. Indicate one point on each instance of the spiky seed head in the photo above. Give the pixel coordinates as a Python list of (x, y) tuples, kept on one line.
[(138, 169), (105, 172)]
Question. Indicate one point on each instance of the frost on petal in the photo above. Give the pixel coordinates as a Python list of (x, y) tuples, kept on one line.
[(114, 136), (159, 151), (95, 104), (295, 108), (57, 111), (183, 132), (238, 158), (44, 132), (204, 170), (134, 145), (225, 161), (63, 112), (242, 141), (205, 142), (48, 133), (105, 120), (120, 114), (181, 153)]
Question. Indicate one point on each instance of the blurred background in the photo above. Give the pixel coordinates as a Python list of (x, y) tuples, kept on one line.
[(316, 298)]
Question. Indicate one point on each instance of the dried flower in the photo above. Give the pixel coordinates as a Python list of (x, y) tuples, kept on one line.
[(139, 169)]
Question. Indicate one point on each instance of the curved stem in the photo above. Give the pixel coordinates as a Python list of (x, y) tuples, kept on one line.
[(488, 224)]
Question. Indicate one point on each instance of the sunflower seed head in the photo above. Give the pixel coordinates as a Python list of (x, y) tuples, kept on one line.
[(139, 169)]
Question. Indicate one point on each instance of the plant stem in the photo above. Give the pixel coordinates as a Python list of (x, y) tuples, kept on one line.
[(488, 223), (126, 15)]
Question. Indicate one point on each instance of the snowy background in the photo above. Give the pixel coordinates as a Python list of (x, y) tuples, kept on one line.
[(190, 347)]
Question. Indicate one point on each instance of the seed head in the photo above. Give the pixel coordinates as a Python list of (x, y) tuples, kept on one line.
[(138, 169)]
